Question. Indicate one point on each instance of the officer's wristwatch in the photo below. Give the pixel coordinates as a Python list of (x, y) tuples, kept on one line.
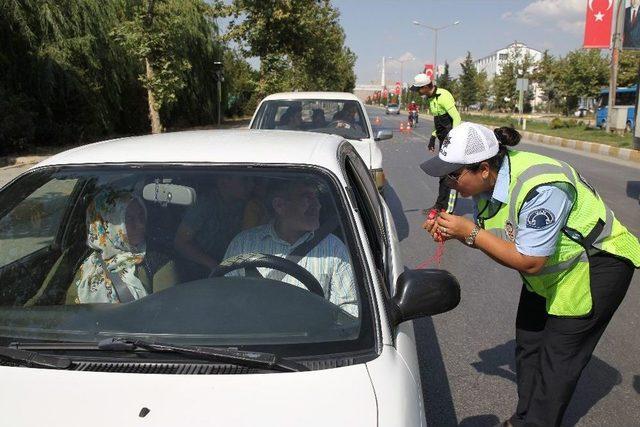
[(471, 238)]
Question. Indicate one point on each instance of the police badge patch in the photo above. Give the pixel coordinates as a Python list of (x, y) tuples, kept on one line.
[(540, 218), (510, 230)]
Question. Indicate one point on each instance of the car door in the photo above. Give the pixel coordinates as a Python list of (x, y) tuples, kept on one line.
[(382, 236), (31, 227)]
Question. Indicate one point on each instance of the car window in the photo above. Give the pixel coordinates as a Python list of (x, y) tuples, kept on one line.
[(284, 271), (340, 117), (368, 208), (33, 223)]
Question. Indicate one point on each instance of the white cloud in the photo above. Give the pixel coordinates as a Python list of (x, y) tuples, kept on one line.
[(564, 15)]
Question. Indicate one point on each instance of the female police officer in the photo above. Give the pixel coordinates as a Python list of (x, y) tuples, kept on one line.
[(538, 216)]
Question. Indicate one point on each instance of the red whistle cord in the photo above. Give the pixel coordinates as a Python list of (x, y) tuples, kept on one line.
[(437, 257)]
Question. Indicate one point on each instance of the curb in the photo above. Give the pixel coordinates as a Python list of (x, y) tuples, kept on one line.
[(585, 146)]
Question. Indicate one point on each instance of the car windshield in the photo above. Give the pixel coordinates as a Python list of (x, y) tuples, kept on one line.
[(255, 257), (339, 117), (393, 105)]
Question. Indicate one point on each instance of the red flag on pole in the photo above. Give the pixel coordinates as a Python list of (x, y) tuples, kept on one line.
[(397, 88), (597, 29), (428, 70)]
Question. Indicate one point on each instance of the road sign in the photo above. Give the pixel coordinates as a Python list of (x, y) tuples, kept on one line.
[(522, 84)]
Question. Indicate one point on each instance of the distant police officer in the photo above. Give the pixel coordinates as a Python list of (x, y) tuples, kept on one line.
[(538, 216), (445, 116)]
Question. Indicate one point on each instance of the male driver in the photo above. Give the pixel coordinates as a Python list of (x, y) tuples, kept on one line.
[(445, 117), (296, 210)]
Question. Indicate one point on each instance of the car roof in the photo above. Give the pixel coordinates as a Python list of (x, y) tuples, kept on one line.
[(241, 146), (312, 95)]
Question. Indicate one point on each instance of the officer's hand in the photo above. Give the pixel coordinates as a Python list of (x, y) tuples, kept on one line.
[(431, 227), (432, 144), (454, 226)]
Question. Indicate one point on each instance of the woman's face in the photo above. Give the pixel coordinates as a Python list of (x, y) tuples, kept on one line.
[(470, 183), (135, 222)]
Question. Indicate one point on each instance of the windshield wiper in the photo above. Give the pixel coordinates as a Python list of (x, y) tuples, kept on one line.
[(33, 359), (251, 359)]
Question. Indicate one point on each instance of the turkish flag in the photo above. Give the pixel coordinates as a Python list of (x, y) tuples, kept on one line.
[(428, 70), (597, 29), (397, 88)]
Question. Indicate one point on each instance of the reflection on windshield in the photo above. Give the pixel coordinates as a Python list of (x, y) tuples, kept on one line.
[(232, 257), (344, 118)]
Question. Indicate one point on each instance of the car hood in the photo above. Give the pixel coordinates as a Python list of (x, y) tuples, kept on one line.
[(341, 396)]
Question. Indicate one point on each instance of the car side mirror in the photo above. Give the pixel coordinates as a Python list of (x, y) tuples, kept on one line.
[(421, 293), (383, 134)]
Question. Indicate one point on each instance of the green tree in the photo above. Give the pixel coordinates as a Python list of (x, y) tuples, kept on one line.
[(545, 76), (62, 79), (483, 86), (163, 35), (300, 44), (518, 64), (582, 73), (66, 79), (445, 80), (629, 68), (468, 82), (240, 84)]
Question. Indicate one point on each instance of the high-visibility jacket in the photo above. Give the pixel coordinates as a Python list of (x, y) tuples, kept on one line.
[(445, 114), (591, 227)]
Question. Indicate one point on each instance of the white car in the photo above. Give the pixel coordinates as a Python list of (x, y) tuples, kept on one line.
[(98, 328), (338, 113)]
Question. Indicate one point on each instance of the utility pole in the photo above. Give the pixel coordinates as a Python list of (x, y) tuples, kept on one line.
[(383, 83), (616, 44), (435, 41), (218, 73)]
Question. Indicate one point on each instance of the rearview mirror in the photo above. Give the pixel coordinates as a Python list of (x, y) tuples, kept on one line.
[(383, 134), (166, 193), (421, 293)]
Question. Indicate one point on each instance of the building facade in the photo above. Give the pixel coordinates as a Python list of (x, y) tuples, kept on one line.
[(492, 64)]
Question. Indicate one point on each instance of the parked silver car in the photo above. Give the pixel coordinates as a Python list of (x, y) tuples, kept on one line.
[(392, 109)]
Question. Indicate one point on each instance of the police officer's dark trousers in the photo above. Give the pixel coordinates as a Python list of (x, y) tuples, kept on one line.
[(443, 125), (551, 351)]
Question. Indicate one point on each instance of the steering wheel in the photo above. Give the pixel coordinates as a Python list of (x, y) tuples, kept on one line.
[(339, 124), (253, 260)]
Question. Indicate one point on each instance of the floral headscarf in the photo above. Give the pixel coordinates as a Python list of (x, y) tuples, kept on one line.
[(107, 236)]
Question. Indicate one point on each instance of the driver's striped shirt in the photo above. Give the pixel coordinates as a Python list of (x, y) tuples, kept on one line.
[(328, 262)]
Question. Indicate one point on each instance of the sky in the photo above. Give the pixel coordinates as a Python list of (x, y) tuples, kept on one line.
[(377, 28)]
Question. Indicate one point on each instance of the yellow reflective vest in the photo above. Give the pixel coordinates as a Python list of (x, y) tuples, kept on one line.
[(591, 227)]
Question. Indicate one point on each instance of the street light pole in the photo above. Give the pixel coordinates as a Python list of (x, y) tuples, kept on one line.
[(217, 66), (435, 41), (615, 51), (401, 62)]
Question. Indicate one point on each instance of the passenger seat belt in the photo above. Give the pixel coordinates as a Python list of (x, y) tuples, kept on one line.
[(122, 291), (303, 249)]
